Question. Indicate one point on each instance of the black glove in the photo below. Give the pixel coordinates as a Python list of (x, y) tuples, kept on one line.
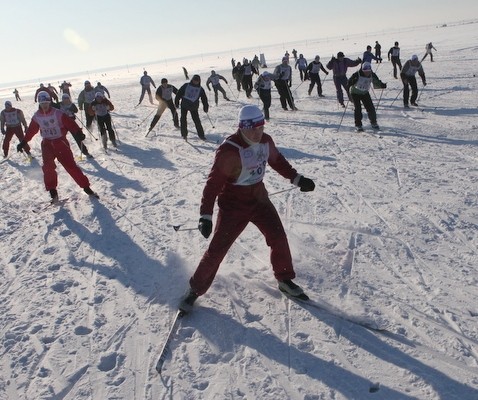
[(205, 227), (290, 83), (206, 109), (21, 145), (80, 135), (384, 85), (306, 184)]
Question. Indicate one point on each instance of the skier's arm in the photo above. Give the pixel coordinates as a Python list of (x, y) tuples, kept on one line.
[(205, 104), (377, 83), (226, 168), (2, 122), (81, 100), (31, 131), (22, 119)]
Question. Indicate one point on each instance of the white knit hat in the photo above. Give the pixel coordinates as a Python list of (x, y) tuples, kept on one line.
[(250, 116)]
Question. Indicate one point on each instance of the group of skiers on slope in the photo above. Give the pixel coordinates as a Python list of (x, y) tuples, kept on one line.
[(187, 98), (54, 119)]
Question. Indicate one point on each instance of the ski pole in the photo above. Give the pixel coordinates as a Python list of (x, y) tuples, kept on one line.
[(343, 114), (81, 151), (295, 90), (420, 94), (84, 126), (116, 132), (178, 228), (401, 90), (142, 122), (209, 118), (282, 191), (378, 103), (235, 97)]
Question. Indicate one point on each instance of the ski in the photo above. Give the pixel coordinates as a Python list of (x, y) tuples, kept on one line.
[(329, 309), (192, 145), (58, 202), (167, 345), (376, 132)]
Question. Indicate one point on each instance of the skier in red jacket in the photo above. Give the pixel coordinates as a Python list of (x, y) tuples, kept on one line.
[(53, 125), (236, 181)]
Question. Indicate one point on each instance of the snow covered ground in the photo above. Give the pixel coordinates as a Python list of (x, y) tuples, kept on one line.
[(88, 289)]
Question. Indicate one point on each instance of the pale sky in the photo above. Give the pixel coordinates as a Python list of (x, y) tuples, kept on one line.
[(45, 38)]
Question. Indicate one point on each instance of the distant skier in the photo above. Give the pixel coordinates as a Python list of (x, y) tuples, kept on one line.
[(394, 56), (339, 66), (65, 87), (11, 121), (53, 126), (378, 51), (146, 81), (263, 86), (102, 89), (214, 80), (302, 63), (85, 98), (368, 56), (359, 85), (428, 51), (246, 71), (164, 95), (236, 74), (17, 95), (312, 71), (189, 95), (42, 88), (101, 107), (410, 68), (283, 82), (70, 109)]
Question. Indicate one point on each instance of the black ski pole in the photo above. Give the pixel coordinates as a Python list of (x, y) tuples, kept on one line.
[(378, 103), (178, 228), (420, 94), (343, 114), (401, 90), (142, 122), (209, 118), (84, 126), (235, 97)]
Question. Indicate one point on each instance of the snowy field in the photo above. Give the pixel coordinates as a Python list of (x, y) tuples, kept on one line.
[(89, 289)]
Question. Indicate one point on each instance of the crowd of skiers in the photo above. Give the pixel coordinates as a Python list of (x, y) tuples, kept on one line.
[(236, 176), (95, 101)]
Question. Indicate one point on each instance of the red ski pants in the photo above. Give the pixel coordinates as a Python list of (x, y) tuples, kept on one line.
[(229, 226), (59, 149)]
